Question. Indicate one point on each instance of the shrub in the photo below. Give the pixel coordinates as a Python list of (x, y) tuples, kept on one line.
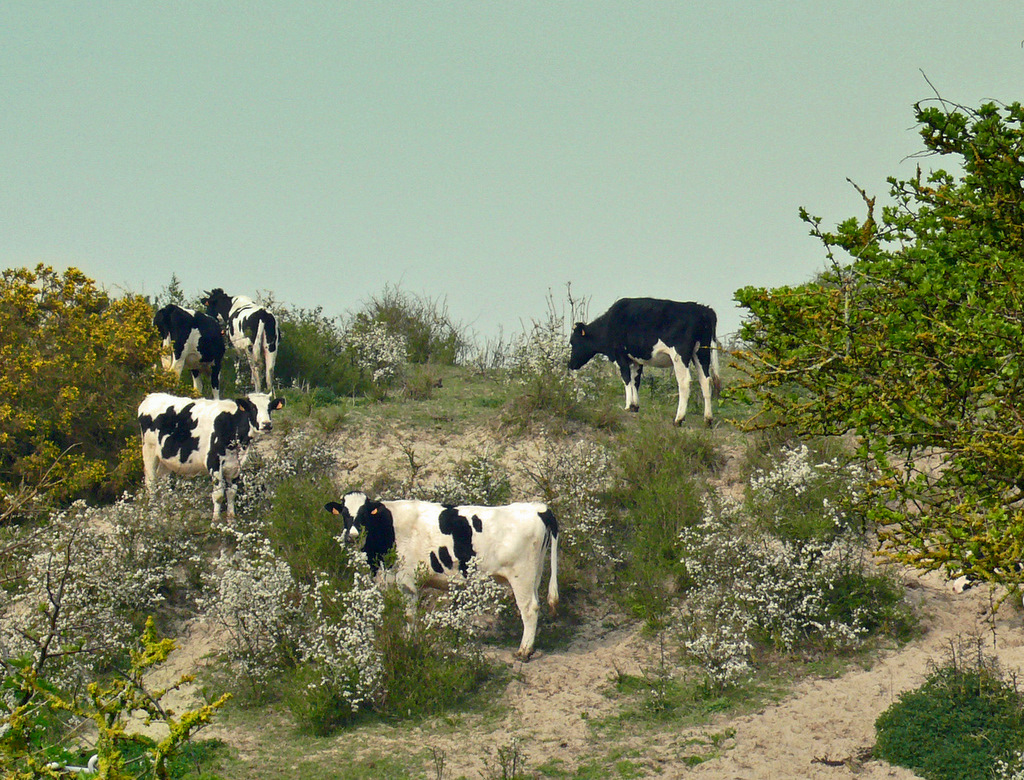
[(423, 324), (313, 354), (73, 364), (95, 574), (799, 499), (661, 481), (538, 371), (479, 479), (965, 723), (750, 592), (380, 355)]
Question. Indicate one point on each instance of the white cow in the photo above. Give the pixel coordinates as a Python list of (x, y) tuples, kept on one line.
[(251, 330), (507, 542), (189, 436)]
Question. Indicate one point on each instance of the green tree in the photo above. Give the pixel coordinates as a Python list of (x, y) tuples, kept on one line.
[(911, 339), (74, 364)]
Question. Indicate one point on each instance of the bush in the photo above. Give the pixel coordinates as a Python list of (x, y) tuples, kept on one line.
[(424, 325), (74, 363), (539, 373), (314, 356), (965, 723), (663, 472), (479, 479)]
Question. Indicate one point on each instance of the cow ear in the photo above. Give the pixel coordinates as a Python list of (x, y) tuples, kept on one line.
[(333, 507), (277, 403), (374, 510)]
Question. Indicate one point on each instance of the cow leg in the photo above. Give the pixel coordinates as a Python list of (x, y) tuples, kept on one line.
[(254, 368), (218, 495), (630, 373), (269, 359), (215, 380), (197, 383), (529, 608), (705, 382), (150, 466), (681, 367)]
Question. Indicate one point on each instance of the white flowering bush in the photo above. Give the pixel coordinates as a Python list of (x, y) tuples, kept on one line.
[(380, 353), (457, 612), (96, 573), (798, 497), (539, 368), (750, 591), (259, 603), (573, 479), (480, 479)]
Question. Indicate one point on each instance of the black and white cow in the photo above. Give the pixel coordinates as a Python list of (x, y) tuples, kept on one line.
[(251, 329), (188, 437), (638, 332), (196, 344), (507, 543)]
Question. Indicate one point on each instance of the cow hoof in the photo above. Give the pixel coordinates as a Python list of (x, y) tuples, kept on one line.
[(524, 657), (679, 423), (633, 408), (709, 422)]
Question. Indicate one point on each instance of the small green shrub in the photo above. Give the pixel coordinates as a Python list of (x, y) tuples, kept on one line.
[(961, 724), (422, 674), (662, 477), (430, 334), (480, 479), (313, 356)]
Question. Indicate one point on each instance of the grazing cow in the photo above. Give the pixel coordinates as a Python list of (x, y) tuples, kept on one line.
[(508, 543), (196, 343), (638, 332), (251, 330), (188, 437)]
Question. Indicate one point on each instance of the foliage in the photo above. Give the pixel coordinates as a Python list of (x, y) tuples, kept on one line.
[(479, 479), (538, 370), (964, 723), (661, 482), (29, 701), (423, 324), (914, 345), (314, 353), (93, 575), (74, 364), (380, 354)]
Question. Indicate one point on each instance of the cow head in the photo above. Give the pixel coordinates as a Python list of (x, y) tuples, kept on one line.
[(217, 302), (262, 405), (358, 512), (582, 347)]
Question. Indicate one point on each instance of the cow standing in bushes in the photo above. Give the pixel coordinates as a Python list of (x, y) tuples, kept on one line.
[(196, 343), (507, 543), (188, 437), (638, 332), (251, 329)]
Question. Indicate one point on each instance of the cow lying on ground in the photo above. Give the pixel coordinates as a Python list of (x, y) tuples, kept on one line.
[(251, 330), (188, 437), (638, 332), (196, 344), (508, 543)]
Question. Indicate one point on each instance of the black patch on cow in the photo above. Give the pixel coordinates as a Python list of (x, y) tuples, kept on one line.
[(455, 525), (174, 432), (380, 532), (478, 525), (436, 564), (230, 430), (550, 522), (446, 557)]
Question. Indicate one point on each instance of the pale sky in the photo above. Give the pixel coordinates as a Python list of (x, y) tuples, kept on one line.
[(483, 153)]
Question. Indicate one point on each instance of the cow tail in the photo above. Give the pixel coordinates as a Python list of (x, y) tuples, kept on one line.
[(716, 378), (551, 540)]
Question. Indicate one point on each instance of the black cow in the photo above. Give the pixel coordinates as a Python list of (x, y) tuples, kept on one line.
[(251, 329), (638, 332), (196, 344)]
